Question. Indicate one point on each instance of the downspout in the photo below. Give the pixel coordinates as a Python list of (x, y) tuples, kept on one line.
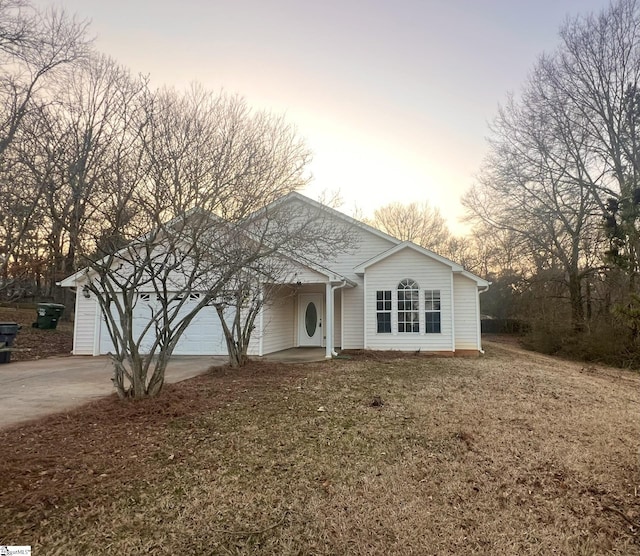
[(261, 324), (333, 290), (479, 323), (453, 316), (328, 320)]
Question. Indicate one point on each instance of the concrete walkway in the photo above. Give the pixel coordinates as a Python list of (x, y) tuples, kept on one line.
[(297, 355), (30, 389)]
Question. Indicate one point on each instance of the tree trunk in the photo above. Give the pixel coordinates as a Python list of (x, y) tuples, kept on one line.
[(575, 298), (589, 315)]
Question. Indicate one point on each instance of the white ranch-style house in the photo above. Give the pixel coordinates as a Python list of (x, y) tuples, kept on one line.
[(384, 294)]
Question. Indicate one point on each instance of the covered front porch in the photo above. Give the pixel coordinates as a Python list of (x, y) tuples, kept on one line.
[(302, 315)]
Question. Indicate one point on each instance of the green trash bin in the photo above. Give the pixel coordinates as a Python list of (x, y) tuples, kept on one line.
[(48, 315)]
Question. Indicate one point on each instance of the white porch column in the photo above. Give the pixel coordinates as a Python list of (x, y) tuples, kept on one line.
[(328, 321)]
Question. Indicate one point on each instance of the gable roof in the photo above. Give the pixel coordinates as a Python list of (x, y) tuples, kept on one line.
[(294, 195), (332, 275), (77, 276), (455, 267)]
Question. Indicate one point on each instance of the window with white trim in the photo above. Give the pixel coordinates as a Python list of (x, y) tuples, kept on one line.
[(432, 312), (408, 306), (383, 311)]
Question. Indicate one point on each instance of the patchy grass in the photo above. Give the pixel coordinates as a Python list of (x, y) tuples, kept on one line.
[(512, 453)]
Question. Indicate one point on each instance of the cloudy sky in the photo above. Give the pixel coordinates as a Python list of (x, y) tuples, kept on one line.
[(392, 96)]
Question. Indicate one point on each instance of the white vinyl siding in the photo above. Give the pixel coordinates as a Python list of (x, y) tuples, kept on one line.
[(367, 246), (429, 275), (353, 316), (304, 275), (337, 319), (85, 324), (278, 321), (466, 313)]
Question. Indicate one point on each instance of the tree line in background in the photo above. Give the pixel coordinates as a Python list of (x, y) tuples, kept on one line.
[(556, 209), (562, 183), (93, 157), (168, 198)]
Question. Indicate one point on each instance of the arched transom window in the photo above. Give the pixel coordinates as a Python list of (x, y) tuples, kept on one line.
[(408, 306)]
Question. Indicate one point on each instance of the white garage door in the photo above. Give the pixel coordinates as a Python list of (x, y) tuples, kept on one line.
[(204, 335)]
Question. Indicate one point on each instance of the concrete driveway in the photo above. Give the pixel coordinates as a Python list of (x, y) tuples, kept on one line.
[(30, 389)]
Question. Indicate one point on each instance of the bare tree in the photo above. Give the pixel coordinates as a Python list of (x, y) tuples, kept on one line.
[(243, 298), (417, 222), (35, 47), (206, 215), (274, 236), (547, 169), (596, 74), (91, 141)]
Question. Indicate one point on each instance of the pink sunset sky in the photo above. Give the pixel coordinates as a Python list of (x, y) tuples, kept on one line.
[(393, 97)]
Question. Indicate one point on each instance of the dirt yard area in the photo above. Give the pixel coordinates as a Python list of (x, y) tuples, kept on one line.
[(34, 343), (511, 453)]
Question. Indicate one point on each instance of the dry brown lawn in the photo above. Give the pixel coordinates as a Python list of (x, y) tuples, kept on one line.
[(512, 453)]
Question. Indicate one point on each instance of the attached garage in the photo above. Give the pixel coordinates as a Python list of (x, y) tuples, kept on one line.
[(204, 336)]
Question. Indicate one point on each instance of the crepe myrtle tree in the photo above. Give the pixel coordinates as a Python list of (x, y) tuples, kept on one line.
[(196, 260), (202, 211), (287, 230), (155, 274), (240, 304)]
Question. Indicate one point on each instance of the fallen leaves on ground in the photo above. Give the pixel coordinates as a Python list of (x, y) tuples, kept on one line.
[(34, 343), (512, 453)]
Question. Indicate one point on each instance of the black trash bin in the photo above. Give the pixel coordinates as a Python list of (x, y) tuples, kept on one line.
[(8, 333), (48, 315)]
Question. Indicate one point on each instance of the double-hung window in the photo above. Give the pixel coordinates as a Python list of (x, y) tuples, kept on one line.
[(383, 311), (408, 306), (432, 313)]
